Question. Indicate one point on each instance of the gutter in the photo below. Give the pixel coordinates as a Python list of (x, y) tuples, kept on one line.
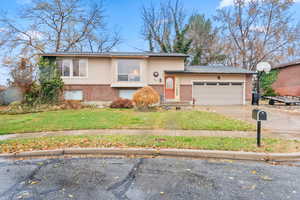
[(186, 153)]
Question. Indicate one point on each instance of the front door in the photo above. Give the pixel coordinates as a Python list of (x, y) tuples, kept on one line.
[(170, 87)]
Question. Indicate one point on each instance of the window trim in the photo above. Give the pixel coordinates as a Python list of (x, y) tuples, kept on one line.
[(140, 71), (81, 91), (71, 68)]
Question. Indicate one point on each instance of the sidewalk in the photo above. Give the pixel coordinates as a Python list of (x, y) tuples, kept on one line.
[(151, 132)]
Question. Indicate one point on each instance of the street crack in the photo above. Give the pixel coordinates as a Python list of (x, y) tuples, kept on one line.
[(120, 188)]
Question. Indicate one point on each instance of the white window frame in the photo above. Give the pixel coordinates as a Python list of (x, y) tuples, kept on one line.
[(82, 95), (71, 68), (140, 70)]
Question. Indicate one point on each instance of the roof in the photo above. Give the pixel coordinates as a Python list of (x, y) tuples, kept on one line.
[(115, 54), (213, 69), (288, 64)]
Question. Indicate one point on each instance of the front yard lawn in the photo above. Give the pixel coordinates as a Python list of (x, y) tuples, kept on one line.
[(123, 141), (118, 119)]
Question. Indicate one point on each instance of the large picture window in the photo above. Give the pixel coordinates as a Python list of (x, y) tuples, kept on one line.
[(129, 70), (73, 67)]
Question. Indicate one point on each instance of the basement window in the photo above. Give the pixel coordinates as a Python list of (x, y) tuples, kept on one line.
[(73, 95)]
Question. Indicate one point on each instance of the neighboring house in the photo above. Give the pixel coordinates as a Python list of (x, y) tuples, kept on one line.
[(2, 88), (288, 79), (102, 77)]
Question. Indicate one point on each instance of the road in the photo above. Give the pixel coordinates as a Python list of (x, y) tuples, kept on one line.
[(147, 178)]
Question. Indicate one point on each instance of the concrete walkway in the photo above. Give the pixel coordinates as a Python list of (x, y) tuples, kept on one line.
[(280, 123), (146, 132)]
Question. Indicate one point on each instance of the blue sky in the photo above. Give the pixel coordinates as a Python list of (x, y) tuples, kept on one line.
[(125, 14)]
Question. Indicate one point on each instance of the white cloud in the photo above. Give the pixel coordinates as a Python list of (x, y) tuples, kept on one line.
[(226, 3)]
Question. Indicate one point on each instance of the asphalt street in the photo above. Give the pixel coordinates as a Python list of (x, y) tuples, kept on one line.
[(147, 178)]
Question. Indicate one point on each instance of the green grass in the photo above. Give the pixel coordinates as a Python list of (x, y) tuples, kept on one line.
[(123, 141), (117, 119)]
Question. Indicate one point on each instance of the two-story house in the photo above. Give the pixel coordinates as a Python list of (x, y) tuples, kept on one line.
[(104, 77)]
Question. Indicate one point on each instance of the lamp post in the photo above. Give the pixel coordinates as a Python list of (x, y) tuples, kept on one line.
[(261, 67)]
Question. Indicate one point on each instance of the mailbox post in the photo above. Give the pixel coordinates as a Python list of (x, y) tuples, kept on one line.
[(259, 115)]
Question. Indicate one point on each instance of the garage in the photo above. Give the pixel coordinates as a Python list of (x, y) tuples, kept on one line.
[(218, 93)]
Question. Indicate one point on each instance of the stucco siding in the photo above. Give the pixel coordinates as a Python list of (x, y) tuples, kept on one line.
[(288, 81), (99, 72), (160, 65)]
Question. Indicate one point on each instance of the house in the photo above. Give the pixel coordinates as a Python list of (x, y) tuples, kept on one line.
[(2, 88), (104, 77), (288, 79)]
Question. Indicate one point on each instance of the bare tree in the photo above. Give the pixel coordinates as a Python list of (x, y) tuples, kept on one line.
[(257, 30), (58, 25), (164, 27)]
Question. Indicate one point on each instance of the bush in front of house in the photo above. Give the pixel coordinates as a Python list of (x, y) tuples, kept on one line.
[(121, 103), (145, 97)]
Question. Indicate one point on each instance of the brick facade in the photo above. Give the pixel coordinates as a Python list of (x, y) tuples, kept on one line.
[(159, 89), (249, 86), (288, 81), (95, 92), (186, 92), (107, 93)]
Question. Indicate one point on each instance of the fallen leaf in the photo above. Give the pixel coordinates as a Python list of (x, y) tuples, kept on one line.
[(266, 178), (253, 172), (33, 182)]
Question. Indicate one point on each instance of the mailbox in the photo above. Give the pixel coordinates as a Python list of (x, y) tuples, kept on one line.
[(259, 115)]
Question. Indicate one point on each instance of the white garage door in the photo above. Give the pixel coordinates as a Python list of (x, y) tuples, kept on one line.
[(218, 93)]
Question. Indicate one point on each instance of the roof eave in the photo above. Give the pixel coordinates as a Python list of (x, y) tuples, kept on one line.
[(189, 72), (108, 55)]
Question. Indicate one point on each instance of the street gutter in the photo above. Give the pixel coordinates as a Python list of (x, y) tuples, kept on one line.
[(189, 153)]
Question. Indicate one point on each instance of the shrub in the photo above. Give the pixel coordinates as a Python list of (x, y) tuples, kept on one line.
[(145, 97), (121, 103), (266, 82), (51, 84)]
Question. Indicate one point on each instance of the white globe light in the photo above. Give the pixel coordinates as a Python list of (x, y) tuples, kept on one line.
[(263, 66)]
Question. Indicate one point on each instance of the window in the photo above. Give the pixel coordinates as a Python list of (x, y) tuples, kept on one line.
[(236, 83), (66, 68), (129, 70), (126, 94), (73, 67), (73, 95), (169, 83), (198, 83), (211, 83), (223, 83)]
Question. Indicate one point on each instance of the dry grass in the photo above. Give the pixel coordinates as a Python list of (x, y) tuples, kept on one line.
[(149, 141)]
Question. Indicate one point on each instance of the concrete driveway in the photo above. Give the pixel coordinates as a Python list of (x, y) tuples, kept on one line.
[(146, 178), (282, 123)]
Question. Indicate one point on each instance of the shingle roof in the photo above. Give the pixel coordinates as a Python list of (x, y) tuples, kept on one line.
[(288, 64), (213, 69), (111, 54)]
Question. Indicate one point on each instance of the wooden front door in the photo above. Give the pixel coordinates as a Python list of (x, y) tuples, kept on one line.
[(170, 87)]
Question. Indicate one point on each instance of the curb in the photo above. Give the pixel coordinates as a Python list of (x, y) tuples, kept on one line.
[(160, 152)]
